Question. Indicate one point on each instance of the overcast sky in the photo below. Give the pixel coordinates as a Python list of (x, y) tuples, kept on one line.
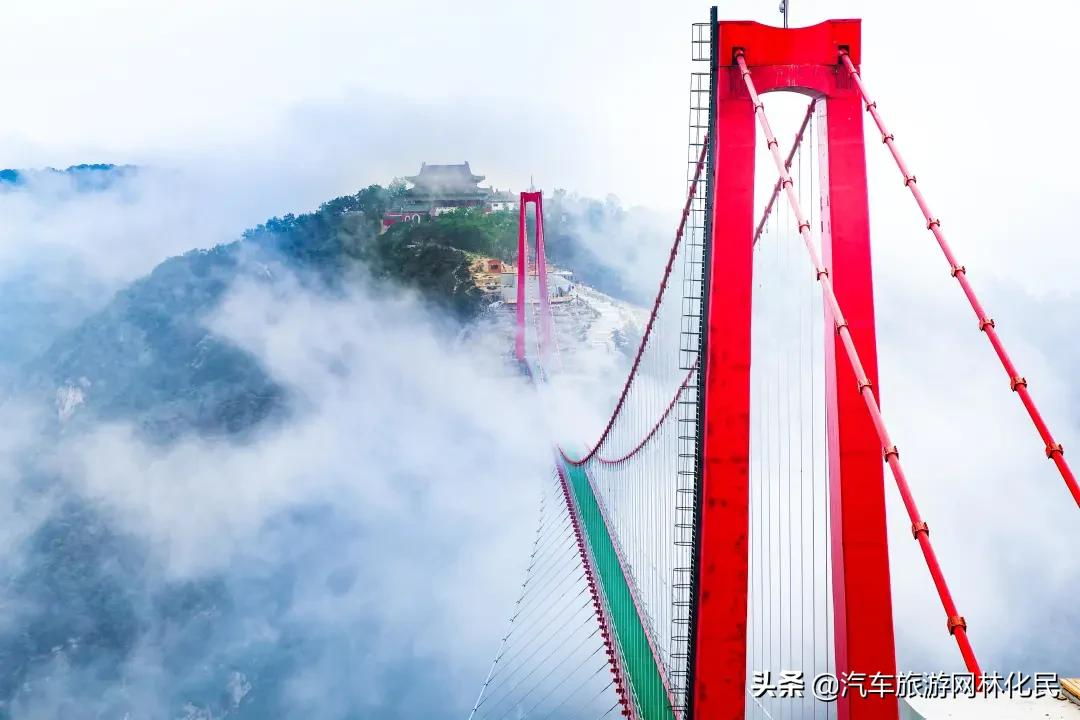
[(588, 96), (599, 86), (294, 103), (326, 96)]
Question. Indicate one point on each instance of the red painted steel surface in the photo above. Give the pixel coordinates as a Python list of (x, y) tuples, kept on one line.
[(719, 670), (537, 198), (955, 623), (801, 48), (862, 597), (544, 299), (803, 60), (523, 261), (1017, 382)]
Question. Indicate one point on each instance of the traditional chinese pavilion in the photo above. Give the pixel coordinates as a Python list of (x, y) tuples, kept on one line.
[(441, 188)]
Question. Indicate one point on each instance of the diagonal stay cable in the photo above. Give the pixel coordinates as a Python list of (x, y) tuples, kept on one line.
[(573, 693), (561, 584), (956, 625), (565, 598), (1054, 450), (548, 638), (617, 703), (551, 672), (550, 565), (787, 164), (517, 605), (540, 664)]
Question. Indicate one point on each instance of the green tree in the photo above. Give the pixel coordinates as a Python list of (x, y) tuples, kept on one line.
[(468, 229)]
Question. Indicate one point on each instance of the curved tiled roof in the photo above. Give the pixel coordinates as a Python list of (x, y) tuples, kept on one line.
[(446, 177)]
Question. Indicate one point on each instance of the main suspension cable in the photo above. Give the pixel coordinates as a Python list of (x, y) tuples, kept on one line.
[(652, 315), (1019, 383), (656, 426), (955, 623), (787, 164)]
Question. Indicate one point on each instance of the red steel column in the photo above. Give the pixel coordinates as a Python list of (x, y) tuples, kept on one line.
[(523, 259), (861, 586), (805, 60), (719, 669), (542, 278)]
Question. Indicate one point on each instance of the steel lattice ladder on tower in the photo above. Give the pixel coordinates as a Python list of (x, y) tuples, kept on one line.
[(689, 350)]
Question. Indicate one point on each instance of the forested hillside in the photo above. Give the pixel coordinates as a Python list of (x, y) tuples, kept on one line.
[(84, 594)]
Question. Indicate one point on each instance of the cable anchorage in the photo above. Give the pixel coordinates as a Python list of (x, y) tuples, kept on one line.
[(956, 622)]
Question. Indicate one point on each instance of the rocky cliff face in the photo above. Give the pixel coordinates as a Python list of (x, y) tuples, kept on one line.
[(149, 356), (85, 598)]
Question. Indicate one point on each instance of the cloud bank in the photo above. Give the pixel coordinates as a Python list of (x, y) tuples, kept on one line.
[(349, 561)]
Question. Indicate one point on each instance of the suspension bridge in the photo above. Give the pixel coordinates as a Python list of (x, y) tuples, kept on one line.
[(727, 525)]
